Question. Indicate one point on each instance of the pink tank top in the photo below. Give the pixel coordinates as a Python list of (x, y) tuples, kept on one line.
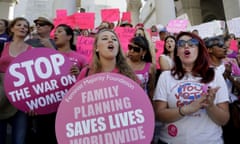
[(6, 58), (143, 76)]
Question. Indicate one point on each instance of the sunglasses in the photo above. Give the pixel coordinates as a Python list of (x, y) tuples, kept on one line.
[(41, 24), (134, 48), (220, 44), (191, 42)]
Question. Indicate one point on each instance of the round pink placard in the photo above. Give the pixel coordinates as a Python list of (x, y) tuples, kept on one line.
[(106, 108), (38, 79)]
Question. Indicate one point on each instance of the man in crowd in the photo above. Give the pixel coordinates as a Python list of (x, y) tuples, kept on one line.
[(44, 27)]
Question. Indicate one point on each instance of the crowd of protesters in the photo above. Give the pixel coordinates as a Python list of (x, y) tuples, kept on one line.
[(210, 116)]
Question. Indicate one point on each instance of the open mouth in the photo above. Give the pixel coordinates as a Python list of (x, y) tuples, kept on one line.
[(110, 47), (187, 53), (55, 38)]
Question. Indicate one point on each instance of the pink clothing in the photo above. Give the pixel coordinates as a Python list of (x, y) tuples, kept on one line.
[(6, 57), (76, 58), (85, 72), (143, 76)]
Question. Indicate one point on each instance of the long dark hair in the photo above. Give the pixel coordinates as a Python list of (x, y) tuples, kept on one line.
[(143, 43), (201, 67), (165, 51), (6, 23), (69, 32)]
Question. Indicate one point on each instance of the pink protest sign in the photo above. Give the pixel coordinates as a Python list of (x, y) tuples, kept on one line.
[(110, 15), (126, 16), (60, 13), (125, 34), (176, 26), (85, 46), (159, 50), (85, 20), (38, 79), (106, 108), (234, 45)]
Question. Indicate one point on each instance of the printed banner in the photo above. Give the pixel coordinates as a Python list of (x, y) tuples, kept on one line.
[(38, 80), (105, 108)]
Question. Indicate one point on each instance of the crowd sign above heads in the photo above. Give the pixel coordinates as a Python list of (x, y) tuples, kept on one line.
[(85, 46), (105, 108), (126, 16), (233, 26), (61, 13), (210, 29), (125, 34), (177, 25), (77, 20), (86, 20), (38, 79), (110, 15)]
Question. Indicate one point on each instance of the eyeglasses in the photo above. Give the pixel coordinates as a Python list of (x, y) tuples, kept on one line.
[(134, 48), (41, 24), (191, 42)]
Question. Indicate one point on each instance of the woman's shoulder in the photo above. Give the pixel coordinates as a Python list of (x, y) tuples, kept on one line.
[(163, 56)]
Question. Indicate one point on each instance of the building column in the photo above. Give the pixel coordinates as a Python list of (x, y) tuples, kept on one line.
[(193, 10), (231, 8), (69, 5), (134, 6), (165, 11), (6, 10)]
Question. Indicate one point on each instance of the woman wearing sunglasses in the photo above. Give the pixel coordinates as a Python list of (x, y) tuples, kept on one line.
[(191, 100), (140, 59)]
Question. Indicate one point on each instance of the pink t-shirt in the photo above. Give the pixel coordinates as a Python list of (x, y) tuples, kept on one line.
[(76, 58), (6, 57)]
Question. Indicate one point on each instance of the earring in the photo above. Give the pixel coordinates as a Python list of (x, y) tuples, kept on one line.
[(142, 57), (96, 50)]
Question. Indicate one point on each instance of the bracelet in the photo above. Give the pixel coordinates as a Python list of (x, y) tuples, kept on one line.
[(180, 111)]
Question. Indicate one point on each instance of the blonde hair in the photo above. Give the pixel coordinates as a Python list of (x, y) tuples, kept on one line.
[(121, 63)]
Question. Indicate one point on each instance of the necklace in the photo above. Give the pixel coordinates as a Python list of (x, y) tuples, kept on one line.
[(16, 49)]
